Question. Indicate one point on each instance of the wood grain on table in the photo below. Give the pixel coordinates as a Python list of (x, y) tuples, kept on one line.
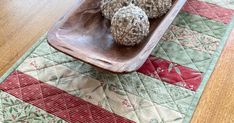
[(217, 102), (22, 22)]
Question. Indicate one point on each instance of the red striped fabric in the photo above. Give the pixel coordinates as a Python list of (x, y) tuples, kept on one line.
[(172, 73), (208, 10), (57, 102)]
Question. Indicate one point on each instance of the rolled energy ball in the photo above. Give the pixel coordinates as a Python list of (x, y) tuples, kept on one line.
[(154, 8), (129, 25), (109, 7)]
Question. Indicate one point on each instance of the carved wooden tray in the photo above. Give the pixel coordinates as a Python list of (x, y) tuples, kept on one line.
[(85, 34)]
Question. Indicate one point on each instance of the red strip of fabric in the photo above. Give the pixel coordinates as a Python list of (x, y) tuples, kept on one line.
[(57, 102), (171, 73), (208, 10)]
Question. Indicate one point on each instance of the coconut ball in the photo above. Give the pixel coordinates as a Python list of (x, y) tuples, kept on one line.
[(109, 7), (154, 8), (129, 25)]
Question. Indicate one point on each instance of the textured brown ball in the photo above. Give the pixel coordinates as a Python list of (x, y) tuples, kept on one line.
[(154, 8), (110, 7), (129, 25)]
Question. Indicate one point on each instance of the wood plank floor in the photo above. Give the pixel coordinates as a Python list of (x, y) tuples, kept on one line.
[(22, 22)]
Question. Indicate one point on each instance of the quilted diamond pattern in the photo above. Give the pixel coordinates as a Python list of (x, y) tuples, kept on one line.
[(26, 81), (32, 92), (209, 10), (200, 24), (132, 83), (77, 92), (172, 73), (129, 84), (54, 101), (181, 97), (49, 91), (15, 110), (182, 36), (192, 39), (117, 84), (136, 84), (189, 59), (171, 49)]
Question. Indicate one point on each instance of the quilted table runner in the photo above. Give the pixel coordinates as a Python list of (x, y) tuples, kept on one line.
[(47, 86)]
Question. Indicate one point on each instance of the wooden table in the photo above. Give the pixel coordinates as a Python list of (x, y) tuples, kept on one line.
[(22, 22)]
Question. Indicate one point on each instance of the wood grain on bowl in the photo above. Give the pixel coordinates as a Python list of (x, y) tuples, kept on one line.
[(85, 34)]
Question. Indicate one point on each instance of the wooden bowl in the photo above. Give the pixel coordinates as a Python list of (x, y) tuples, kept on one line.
[(85, 34)]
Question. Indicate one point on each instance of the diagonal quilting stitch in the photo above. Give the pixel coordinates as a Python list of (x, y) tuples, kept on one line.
[(142, 89), (165, 85), (9, 102), (186, 60), (201, 24), (58, 105), (167, 93), (193, 37), (209, 10), (186, 52), (129, 98), (173, 73), (209, 29), (119, 86), (168, 56), (181, 97), (146, 90), (185, 23), (125, 90)]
